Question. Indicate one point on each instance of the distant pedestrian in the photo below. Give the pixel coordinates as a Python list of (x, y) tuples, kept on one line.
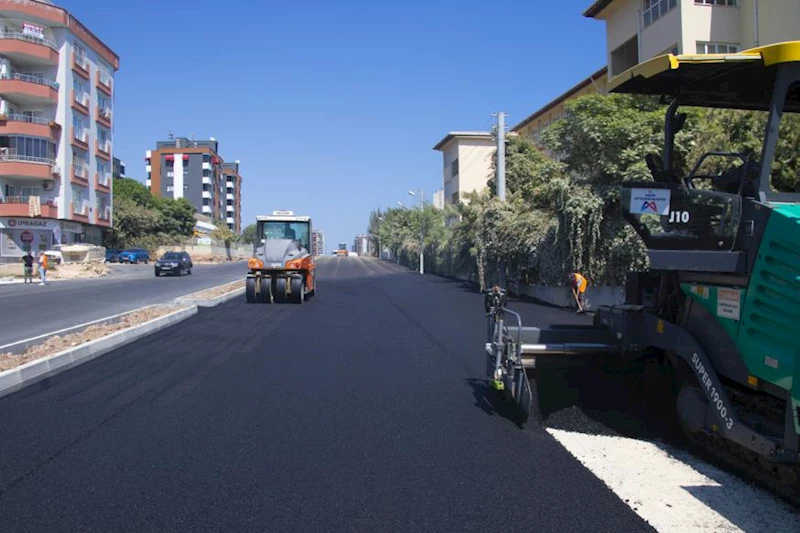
[(27, 259), (579, 285), (43, 267)]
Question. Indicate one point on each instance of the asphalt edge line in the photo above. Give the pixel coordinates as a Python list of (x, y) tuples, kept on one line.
[(15, 379), (34, 341)]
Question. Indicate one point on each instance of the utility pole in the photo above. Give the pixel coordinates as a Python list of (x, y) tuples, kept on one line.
[(421, 228), (501, 155)]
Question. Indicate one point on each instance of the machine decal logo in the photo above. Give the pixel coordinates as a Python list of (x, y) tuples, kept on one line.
[(650, 201)]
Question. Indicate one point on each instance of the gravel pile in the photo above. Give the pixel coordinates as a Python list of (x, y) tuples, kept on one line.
[(574, 419), (59, 343)]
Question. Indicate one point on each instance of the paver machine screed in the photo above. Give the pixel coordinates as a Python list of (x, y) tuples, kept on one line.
[(283, 269), (717, 316)]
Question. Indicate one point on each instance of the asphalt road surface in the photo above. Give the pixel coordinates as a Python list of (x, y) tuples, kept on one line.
[(30, 310), (364, 409)]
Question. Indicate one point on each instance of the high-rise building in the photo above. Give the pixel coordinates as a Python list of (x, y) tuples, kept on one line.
[(438, 199), (317, 243), (56, 94), (185, 168), (232, 200), (117, 169), (361, 245)]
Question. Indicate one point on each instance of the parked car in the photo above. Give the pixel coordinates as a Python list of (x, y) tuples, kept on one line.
[(173, 263), (134, 255), (112, 255)]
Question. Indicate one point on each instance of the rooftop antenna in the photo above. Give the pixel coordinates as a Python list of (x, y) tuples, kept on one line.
[(171, 135)]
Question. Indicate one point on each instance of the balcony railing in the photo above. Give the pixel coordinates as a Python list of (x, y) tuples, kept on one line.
[(104, 179), (80, 171), (28, 38), (104, 78), (81, 60), (43, 200), (103, 213), (15, 117), (104, 113), (82, 136), (82, 98), (104, 146), (80, 208), (7, 154), (30, 79)]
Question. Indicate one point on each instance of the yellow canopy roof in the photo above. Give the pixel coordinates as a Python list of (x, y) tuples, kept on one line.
[(743, 80)]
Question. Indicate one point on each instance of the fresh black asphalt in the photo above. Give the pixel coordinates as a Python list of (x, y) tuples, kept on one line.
[(364, 409), (30, 310)]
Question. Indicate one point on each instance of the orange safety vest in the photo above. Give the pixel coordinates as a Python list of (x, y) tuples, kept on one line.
[(582, 283), (44, 262)]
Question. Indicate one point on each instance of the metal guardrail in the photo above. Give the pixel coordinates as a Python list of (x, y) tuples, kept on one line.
[(29, 38), (81, 171), (30, 79), (80, 59), (104, 179), (104, 77)]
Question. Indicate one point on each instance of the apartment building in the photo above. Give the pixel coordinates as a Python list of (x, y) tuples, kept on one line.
[(117, 168), (232, 200), (56, 94), (317, 243), (438, 199), (467, 158), (361, 245), (638, 30), (191, 169)]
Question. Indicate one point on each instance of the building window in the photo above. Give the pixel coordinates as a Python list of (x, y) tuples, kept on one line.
[(206, 158), (716, 48), (454, 168), (655, 9), (454, 198), (206, 201), (170, 188), (716, 2), (27, 148), (206, 173), (674, 50)]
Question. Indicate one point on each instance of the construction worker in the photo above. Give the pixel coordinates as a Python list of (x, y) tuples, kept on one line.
[(579, 285)]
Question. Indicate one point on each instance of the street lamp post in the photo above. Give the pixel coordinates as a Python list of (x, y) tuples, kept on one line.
[(421, 229), (380, 246)]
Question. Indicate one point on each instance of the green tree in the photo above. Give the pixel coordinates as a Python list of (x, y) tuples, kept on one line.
[(223, 233), (176, 216), (133, 190), (248, 235)]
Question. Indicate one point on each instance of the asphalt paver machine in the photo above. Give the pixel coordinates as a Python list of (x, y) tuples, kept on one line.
[(718, 311)]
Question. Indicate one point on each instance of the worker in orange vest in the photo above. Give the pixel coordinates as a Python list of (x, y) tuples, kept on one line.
[(579, 285), (43, 267)]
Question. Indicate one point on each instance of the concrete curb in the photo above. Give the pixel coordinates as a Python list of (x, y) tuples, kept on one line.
[(32, 372), (209, 302)]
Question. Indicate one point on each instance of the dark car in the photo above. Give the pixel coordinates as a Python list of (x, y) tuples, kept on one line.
[(174, 263)]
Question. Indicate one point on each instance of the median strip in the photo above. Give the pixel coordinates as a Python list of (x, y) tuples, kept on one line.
[(214, 296)]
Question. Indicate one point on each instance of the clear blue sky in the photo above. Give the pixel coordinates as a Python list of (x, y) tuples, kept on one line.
[(333, 108)]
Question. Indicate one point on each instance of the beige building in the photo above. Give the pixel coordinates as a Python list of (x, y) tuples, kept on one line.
[(467, 162), (541, 119), (638, 30)]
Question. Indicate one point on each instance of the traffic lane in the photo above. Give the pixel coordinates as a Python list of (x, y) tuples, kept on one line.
[(30, 310), (341, 414)]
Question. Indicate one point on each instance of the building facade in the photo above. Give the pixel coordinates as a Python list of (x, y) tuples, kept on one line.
[(184, 168), (317, 243), (638, 30), (467, 158), (117, 169), (438, 199), (232, 201), (56, 94), (361, 245)]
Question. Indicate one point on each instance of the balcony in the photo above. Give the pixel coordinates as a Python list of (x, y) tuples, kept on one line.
[(103, 215), (80, 101), (102, 181), (16, 124), (80, 174), (230, 220), (80, 138), (80, 211), (104, 82), (229, 196), (27, 49), (18, 206), (103, 149), (26, 90), (207, 180), (206, 209), (23, 166), (103, 116), (80, 64)]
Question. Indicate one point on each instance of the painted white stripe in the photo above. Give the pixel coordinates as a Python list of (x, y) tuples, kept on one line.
[(177, 190)]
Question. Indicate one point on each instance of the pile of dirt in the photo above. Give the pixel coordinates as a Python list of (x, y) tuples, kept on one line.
[(57, 343), (215, 260), (78, 271), (217, 291)]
